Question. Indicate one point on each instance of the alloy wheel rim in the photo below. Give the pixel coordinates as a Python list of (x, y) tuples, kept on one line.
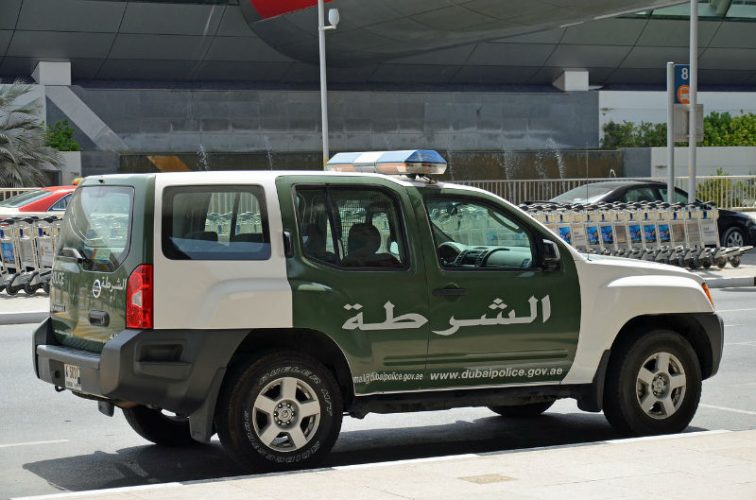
[(734, 239), (286, 414), (660, 385)]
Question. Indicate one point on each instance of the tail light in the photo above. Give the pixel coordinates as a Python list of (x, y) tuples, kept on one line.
[(139, 298)]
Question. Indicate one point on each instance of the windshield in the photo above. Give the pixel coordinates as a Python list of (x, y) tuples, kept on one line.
[(97, 225), (24, 198), (589, 193)]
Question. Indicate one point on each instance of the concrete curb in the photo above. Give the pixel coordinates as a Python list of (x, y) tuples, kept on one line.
[(23, 317), (731, 282)]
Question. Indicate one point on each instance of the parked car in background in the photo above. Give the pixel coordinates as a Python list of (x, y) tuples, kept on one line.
[(736, 229), (42, 202)]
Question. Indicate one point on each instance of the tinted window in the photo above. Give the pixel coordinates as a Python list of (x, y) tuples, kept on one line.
[(61, 204), (215, 223), (639, 194), (490, 237), (680, 196), (98, 226), (351, 227)]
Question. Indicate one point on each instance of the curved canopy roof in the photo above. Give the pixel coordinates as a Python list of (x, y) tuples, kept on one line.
[(378, 41)]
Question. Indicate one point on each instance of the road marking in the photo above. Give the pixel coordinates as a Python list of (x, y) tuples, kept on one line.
[(752, 343), (33, 443), (405, 462), (733, 410), (667, 436), (735, 310)]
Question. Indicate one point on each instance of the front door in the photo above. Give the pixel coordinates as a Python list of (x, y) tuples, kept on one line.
[(496, 316)]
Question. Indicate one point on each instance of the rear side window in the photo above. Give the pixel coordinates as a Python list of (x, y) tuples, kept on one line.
[(98, 226), (351, 227), (215, 223)]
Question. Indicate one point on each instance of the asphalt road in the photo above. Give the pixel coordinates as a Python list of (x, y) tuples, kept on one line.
[(52, 442)]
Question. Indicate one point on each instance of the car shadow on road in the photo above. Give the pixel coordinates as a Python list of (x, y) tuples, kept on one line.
[(145, 465)]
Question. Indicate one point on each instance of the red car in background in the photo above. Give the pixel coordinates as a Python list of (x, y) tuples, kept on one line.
[(41, 202)]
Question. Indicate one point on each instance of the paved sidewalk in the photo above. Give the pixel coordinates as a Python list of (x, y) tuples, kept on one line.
[(704, 465), (729, 277), (23, 308)]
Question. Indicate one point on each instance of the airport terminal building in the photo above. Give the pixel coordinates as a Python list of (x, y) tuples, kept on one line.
[(233, 84)]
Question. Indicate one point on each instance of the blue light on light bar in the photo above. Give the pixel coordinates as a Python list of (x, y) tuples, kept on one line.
[(417, 162)]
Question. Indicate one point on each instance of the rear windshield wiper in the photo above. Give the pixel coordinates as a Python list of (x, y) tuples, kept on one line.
[(75, 254)]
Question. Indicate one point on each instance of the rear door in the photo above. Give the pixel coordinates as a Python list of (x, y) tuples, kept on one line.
[(357, 275), (497, 316), (96, 252)]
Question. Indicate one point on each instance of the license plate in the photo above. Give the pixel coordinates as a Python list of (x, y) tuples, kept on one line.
[(73, 377)]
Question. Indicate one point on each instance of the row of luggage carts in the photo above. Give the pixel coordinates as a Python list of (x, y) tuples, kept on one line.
[(28, 247), (684, 235)]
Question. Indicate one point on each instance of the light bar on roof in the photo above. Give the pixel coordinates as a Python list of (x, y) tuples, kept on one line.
[(411, 162)]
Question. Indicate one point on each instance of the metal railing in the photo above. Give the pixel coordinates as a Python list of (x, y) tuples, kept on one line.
[(724, 191), (6, 193)]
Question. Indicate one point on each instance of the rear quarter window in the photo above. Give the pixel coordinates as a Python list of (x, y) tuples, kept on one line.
[(215, 223)]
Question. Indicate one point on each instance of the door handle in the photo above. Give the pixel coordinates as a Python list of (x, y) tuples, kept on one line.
[(99, 318), (449, 291)]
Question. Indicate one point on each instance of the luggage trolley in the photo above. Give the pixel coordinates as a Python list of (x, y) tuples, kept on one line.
[(28, 276), (11, 263), (45, 239)]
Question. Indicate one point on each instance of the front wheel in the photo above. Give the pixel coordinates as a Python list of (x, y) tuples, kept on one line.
[(158, 427), (653, 385), (279, 412), (522, 411)]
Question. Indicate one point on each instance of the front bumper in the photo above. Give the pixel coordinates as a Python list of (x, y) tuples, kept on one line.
[(713, 327), (173, 370)]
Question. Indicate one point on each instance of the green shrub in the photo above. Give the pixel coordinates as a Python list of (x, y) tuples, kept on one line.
[(60, 137)]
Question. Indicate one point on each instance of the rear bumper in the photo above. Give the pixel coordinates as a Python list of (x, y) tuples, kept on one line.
[(173, 370)]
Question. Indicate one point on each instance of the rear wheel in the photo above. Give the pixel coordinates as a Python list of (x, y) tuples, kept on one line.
[(158, 427), (735, 261), (653, 385), (733, 237), (522, 411), (281, 411), (12, 290)]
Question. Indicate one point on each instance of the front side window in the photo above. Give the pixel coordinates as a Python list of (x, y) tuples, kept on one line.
[(351, 228), (215, 223), (469, 235), (639, 194), (98, 226)]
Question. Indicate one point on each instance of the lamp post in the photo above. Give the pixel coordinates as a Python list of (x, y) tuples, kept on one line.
[(333, 20), (692, 118)]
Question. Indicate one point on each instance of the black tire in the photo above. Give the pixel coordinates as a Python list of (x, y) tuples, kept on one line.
[(706, 263), (733, 237), (735, 261), (12, 290), (522, 411), (241, 422), (46, 287), (721, 262), (161, 429), (624, 389), (30, 289)]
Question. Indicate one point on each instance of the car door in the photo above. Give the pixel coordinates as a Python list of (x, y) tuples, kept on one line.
[(357, 276), (497, 315)]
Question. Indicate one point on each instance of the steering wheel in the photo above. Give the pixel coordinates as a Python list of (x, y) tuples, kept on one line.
[(448, 253)]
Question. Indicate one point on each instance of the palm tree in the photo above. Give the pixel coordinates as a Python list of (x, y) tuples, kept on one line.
[(23, 140)]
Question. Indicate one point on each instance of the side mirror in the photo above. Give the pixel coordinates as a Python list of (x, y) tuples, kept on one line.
[(551, 259)]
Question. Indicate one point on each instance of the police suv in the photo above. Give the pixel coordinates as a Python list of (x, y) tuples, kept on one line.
[(264, 306)]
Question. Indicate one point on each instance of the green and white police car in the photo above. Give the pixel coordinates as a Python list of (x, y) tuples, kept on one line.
[(264, 306)]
